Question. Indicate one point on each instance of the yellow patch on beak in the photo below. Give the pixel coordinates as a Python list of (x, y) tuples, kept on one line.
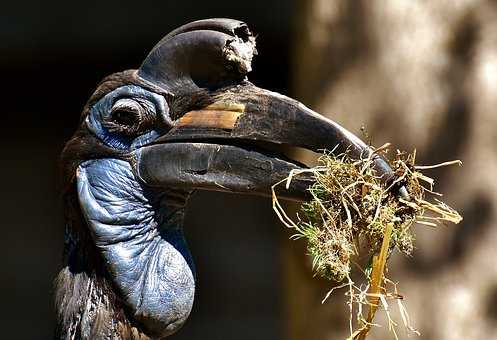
[(221, 115)]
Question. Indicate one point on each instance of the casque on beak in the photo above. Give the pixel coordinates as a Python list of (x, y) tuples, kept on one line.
[(224, 145)]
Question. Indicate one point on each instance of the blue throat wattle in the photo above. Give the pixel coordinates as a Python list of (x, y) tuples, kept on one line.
[(138, 231)]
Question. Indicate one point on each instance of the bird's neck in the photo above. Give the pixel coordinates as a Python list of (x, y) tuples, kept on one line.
[(128, 271)]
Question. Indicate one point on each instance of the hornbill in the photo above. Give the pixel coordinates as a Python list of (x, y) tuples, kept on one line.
[(187, 119)]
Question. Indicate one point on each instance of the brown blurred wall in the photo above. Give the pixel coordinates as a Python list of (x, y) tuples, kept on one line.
[(419, 74)]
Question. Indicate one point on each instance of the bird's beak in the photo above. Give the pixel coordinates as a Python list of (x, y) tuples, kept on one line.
[(226, 145)]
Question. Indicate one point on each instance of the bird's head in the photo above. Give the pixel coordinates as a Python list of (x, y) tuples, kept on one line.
[(187, 119)]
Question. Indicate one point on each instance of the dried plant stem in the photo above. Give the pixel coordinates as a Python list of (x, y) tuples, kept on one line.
[(425, 167), (375, 290)]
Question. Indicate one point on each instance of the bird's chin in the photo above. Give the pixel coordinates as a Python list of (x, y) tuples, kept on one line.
[(242, 168)]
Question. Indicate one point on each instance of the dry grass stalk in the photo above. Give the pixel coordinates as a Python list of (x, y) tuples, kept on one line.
[(352, 214), (379, 264)]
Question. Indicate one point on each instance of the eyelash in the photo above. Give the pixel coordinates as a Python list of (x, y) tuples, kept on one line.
[(129, 118), (125, 117)]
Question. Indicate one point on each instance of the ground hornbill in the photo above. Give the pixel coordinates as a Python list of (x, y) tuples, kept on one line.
[(187, 119)]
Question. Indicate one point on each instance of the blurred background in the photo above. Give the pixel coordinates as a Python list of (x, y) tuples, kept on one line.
[(419, 74)]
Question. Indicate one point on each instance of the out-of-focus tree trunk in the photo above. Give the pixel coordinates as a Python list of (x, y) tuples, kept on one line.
[(419, 74)]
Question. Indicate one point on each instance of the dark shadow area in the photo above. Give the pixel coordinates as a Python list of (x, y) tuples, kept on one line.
[(477, 217), (234, 244), (492, 305), (347, 45), (448, 142), (454, 132)]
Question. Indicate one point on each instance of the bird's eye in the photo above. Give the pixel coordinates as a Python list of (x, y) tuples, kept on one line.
[(126, 112), (130, 117), (125, 117)]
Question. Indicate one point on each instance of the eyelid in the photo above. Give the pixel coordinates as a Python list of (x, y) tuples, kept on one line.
[(128, 104), (147, 105)]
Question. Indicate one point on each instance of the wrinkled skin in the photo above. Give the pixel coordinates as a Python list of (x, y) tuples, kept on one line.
[(187, 119)]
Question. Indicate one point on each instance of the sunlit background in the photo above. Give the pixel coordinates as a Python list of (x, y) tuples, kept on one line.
[(419, 74)]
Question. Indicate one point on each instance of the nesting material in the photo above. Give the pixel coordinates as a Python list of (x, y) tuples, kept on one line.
[(353, 215)]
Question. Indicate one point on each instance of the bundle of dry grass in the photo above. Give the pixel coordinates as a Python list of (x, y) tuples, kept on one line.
[(352, 215)]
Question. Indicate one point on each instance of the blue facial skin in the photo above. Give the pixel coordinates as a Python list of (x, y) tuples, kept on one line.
[(138, 229), (101, 112)]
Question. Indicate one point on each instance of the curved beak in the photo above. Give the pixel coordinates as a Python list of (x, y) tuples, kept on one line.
[(226, 145)]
